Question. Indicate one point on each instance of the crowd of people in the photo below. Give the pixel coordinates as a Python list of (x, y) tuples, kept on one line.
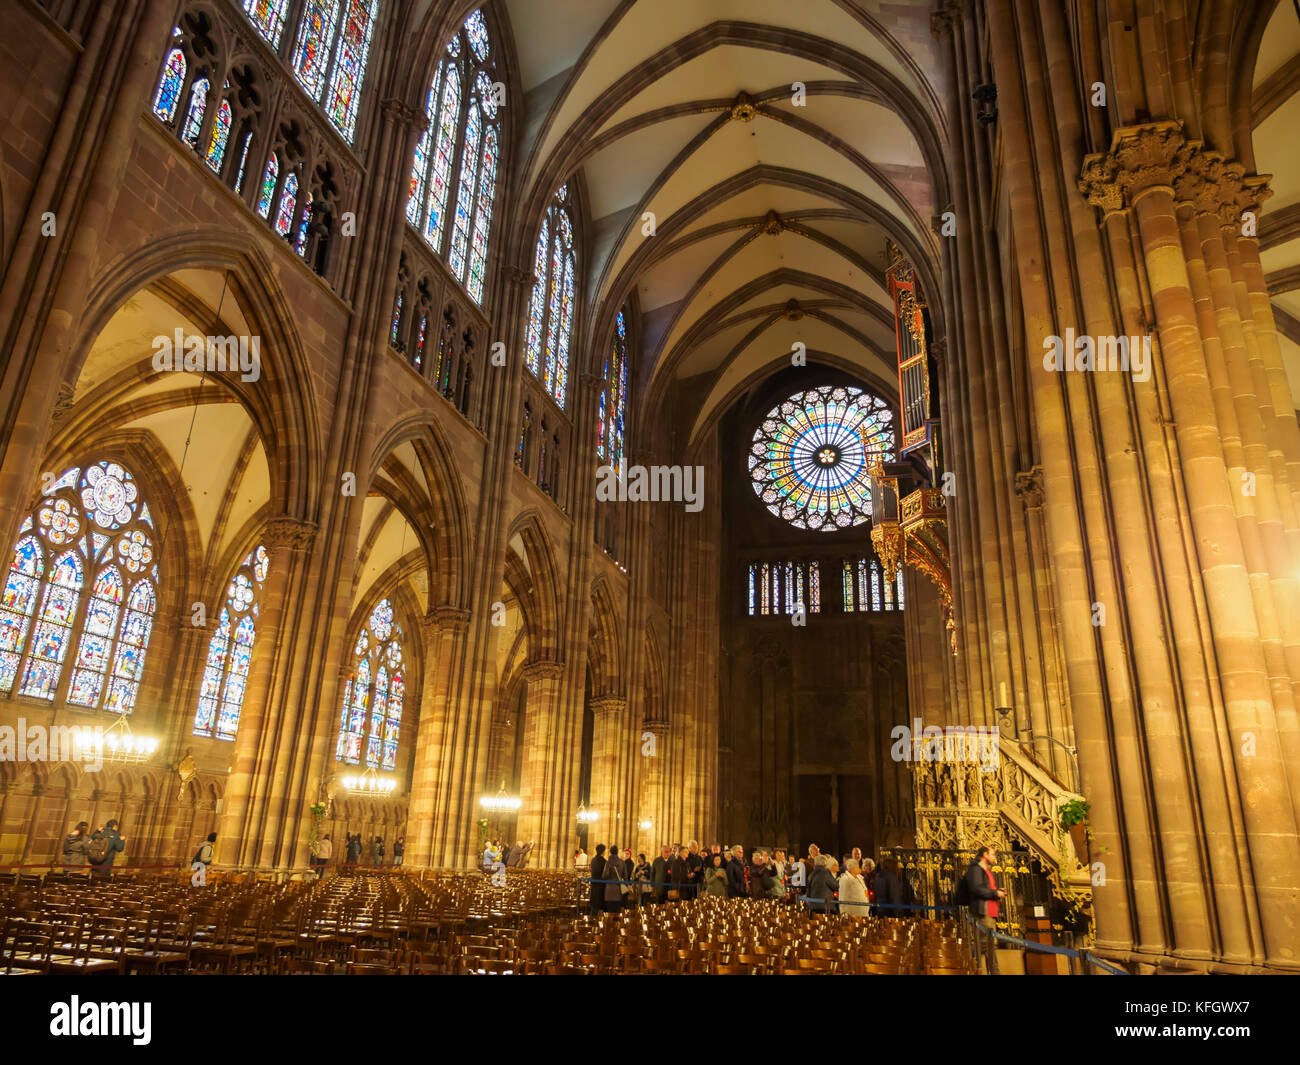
[(513, 857), (855, 885)]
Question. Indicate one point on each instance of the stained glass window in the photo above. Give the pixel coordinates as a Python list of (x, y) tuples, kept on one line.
[(311, 55), (866, 589), (344, 97), (417, 356), (461, 147), (448, 125), (395, 330), (194, 116), (613, 398), (300, 245), (230, 651), (288, 201), (550, 312), (374, 694), (811, 456), (465, 195), (329, 57), (784, 588), (91, 522), (170, 85), (243, 160), (268, 17), (268, 186), (537, 305), (220, 135)]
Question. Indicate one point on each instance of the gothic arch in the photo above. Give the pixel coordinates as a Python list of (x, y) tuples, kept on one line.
[(286, 415), (438, 513)]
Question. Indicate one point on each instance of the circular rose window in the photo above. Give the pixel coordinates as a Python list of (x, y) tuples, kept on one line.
[(811, 457)]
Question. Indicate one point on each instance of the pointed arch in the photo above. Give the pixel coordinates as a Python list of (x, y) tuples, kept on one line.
[(281, 402)]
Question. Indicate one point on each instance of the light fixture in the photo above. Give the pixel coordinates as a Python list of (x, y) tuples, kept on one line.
[(586, 816), (371, 782), (647, 825), (121, 745), (501, 802)]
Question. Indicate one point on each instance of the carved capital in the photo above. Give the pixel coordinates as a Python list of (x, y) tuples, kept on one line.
[(591, 383), (1099, 183), (939, 347), (608, 704), (944, 21), (542, 669), (1140, 158), (1251, 193), (522, 278), (404, 114), (445, 618), (1210, 183), (659, 728), (289, 533), (1029, 487)]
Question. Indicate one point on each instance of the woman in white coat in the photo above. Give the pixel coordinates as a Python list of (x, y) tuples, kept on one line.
[(853, 891)]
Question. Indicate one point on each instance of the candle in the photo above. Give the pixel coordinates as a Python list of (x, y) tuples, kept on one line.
[(1002, 694)]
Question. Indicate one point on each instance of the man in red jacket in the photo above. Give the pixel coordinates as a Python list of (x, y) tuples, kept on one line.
[(983, 888)]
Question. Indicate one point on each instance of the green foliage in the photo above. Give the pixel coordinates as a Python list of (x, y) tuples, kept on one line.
[(1073, 812)]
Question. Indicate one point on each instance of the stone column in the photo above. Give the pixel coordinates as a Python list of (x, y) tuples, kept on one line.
[(244, 810), (45, 284), (443, 632), (609, 757), (549, 781)]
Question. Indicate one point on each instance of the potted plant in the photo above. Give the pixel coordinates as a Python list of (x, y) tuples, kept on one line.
[(317, 811), (1074, 819)]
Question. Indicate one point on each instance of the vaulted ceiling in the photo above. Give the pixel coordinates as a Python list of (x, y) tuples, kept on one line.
[(744, 163)]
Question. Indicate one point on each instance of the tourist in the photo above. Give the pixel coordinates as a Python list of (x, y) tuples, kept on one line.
[(983, 888), (580, 861), (597, 874), (354, 849), (891, 890), (660, 873), (74, 846), (206, 850), (399, 850), (799, 873), (821, 885), (736, 873), (512, 855), (762, 876), (641, 874), (524, 853), (378, 851), (324, 852), (679, 875), (715, 878), (103, 849), (695, 868), (853, 890), (616, 872), (779, 889)]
